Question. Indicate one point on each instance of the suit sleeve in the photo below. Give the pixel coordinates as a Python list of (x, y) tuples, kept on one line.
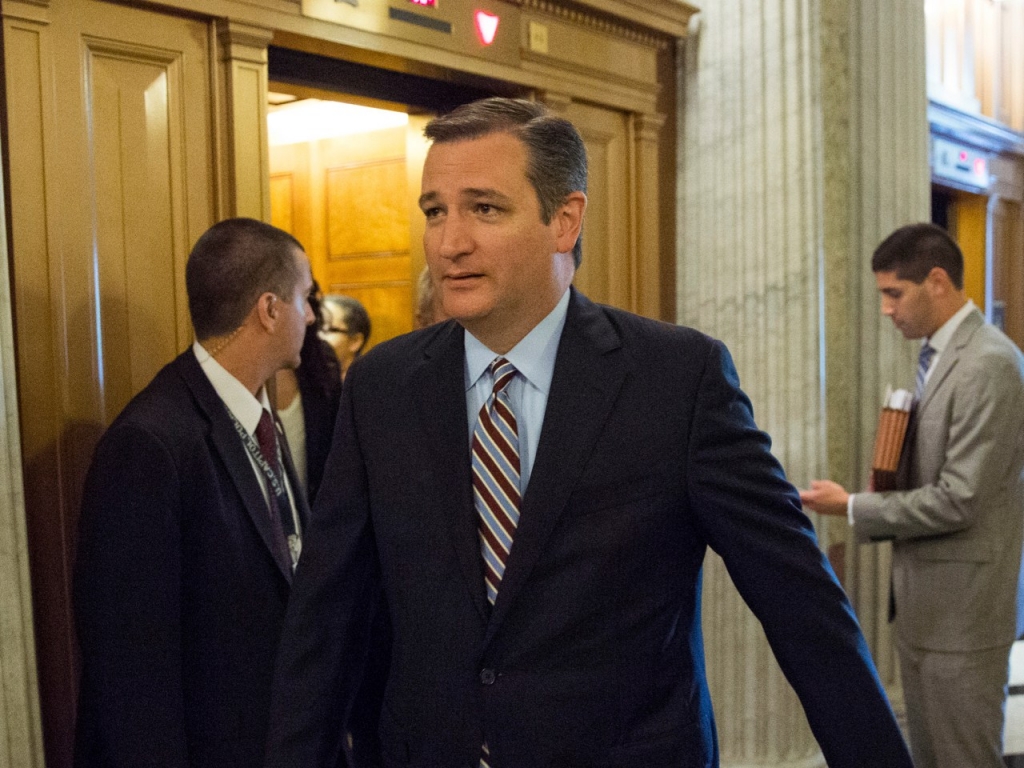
[(985, 424), (127, 604), (326, 631), (752, 518)]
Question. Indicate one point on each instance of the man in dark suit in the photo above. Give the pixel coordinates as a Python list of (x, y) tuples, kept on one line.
[(191, 524), (534, 485)]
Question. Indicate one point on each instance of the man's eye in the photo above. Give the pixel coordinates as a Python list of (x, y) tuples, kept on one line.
[(485, 209), (432, 213)]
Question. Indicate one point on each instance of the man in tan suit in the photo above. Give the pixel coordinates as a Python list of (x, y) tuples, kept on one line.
[(956, 522)]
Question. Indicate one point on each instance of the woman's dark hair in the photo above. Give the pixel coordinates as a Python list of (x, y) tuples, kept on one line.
[(318, 359)]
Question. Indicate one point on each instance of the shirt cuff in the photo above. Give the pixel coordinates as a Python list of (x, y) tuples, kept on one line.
[(849, 509)]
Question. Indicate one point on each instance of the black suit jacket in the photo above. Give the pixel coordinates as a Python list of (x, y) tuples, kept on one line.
[(178, 598), (319, 411), (592, 655)]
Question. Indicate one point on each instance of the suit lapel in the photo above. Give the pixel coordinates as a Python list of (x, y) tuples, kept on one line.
[(589, 371), (950, 356), (229, 447), (441, 383)]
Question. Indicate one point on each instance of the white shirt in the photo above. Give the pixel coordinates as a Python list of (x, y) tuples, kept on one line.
[(940, 339), (246, 409), (293, 421), (534, 359)]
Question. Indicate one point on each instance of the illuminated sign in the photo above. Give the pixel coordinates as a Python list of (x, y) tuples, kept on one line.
[(488, 29), (486, 26), (959, 165)]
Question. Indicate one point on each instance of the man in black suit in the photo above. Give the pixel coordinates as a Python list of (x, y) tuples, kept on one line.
[(534, 485), (191, 525)]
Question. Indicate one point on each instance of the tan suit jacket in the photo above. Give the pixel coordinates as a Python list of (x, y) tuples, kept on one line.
[(957, 528)]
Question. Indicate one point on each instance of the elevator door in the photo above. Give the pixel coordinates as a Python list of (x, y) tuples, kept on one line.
[(990, 231), (350, 198), (110, 147)]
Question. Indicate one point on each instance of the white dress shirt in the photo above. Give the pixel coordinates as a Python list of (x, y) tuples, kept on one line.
[(247, 410)]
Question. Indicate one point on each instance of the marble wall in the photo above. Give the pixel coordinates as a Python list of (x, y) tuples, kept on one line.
[(877, 178), (804, 141)]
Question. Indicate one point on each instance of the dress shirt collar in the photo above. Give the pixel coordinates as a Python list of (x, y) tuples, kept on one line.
[(239, 400), (533, 357), (940, 339)]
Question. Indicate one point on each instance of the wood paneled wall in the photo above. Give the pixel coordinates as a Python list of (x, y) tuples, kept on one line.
[(975, 55), (111, 182), (348, 201)]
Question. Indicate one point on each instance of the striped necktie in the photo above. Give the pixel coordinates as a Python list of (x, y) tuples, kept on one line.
[(496, 493), (924, 360), (266, 435)]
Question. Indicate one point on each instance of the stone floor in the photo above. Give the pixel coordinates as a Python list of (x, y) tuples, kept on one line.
[(1013, 743)]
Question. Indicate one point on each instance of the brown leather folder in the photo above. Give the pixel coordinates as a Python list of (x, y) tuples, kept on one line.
[(892, 432)]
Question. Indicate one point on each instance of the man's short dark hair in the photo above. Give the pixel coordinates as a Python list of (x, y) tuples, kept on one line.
[(354, 315), (914, 250), (556, 156), (232, 265)]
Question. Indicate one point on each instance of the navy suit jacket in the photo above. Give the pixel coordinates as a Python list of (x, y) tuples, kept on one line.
[(178, 597), (592, 654)]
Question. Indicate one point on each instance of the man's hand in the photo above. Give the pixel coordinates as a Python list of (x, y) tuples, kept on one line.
[(825, 498)]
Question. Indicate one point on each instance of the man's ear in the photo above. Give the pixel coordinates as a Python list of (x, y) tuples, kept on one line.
[(355, 343), (266, 310), (568, 221), (938, 281)]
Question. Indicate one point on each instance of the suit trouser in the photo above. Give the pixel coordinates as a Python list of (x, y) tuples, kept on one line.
[(955, 705)]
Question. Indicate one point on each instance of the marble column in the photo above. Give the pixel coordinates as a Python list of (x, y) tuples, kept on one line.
[(804, 139), (21, 741), (877, 178)]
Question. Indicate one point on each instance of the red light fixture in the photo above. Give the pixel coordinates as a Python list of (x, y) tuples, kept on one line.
[(486, 26)]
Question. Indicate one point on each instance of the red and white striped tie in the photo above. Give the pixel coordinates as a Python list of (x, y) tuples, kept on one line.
[(496, 492), (496, 476)]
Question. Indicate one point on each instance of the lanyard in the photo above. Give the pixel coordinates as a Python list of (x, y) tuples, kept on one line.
[(276, 486)]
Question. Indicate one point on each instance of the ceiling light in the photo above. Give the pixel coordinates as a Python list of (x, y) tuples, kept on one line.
[(313, 119)]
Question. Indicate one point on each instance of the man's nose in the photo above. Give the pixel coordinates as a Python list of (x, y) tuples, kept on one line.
[(455, 237)]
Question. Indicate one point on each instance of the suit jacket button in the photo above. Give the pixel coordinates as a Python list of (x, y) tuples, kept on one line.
[(487, 676)]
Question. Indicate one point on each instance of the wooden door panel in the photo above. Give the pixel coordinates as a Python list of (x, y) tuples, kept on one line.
[(355, 196), (111, 154), (1008, 231), (282, 201), (366, 209), (606, 274), (131, 120)]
